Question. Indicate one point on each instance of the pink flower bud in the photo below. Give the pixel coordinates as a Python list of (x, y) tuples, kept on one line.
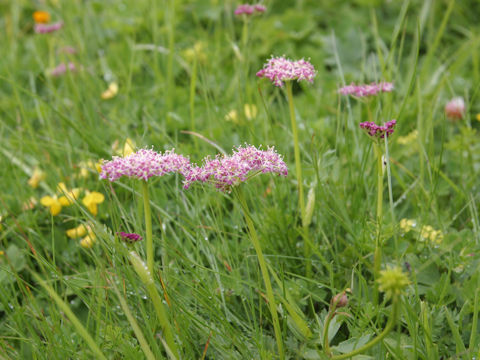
[(455, 108)]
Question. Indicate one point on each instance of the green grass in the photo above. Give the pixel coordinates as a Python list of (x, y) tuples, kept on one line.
[(57, 298)]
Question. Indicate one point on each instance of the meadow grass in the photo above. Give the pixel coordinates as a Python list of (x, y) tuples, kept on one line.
[(186, 80)]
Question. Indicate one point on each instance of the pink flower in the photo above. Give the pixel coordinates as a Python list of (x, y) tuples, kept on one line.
[(144, 164), (455, 108), (129, 237), (62, 69), (366, 90), (259, 8), (379, 132), (244, 9), (227, 171), (280, 69), (48, 28)]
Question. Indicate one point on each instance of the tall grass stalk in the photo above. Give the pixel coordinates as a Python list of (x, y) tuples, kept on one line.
[(263, 267), (148, 227)]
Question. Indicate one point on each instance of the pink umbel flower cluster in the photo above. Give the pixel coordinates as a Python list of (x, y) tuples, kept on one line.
[(367, 89), (379, 132), (455, 108), (245, 162), (48, 28), (62, 69), (247, 9), (144, 164), (280, 69), (129, 237)]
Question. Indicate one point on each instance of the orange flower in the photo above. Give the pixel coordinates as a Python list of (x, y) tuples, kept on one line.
[(41, 17)]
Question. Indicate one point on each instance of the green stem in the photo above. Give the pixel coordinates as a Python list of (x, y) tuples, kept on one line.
[(263, 267), (391, 323), (377, 259), (326, 345), (298, 167), (148, 227), (147, 279)]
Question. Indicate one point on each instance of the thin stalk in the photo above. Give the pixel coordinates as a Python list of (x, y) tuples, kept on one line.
[(147, 279), (148, 226), (71, 316), (377, 257), (391, 323), (326, 345), (298, 171), (263, 267)]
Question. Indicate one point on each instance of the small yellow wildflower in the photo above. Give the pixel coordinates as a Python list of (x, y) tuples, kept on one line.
[(37, 176), (91, 200), (53, 203), (196, 52), (128, 148), (88, 241), (429, 233), (77, 232), (2, 252), (111, 92), (56, 203), (477, 117), (407, 225), (411, 137), (392, 281), (41, 17), (250, 111), (232, 116)]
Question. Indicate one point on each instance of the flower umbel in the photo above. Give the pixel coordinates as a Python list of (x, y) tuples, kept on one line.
[(378, 132), (280, 69), (227, 171), (247, 9), (366, 90), (144, 164), (392, 281)]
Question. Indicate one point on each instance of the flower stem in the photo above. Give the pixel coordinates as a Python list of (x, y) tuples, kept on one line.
[(377, 258), (298, 168), (326, 345), (148, 227), (263, 267), (391, 323)]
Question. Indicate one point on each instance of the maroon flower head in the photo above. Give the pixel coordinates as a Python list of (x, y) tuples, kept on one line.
[(378, 132), (130, 238)]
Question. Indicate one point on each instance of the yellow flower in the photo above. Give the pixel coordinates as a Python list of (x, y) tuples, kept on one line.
[(128, 148), (88, 241), (250, 111), (41, 17), (2, 252), (77, 232), (69, 196), (232, 116), (477, 117), (56, 203), (429, 233), (196, 52), (392, 281), (53, 203), (407, 224), (91, 200), (111, 92), (37, 176)]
